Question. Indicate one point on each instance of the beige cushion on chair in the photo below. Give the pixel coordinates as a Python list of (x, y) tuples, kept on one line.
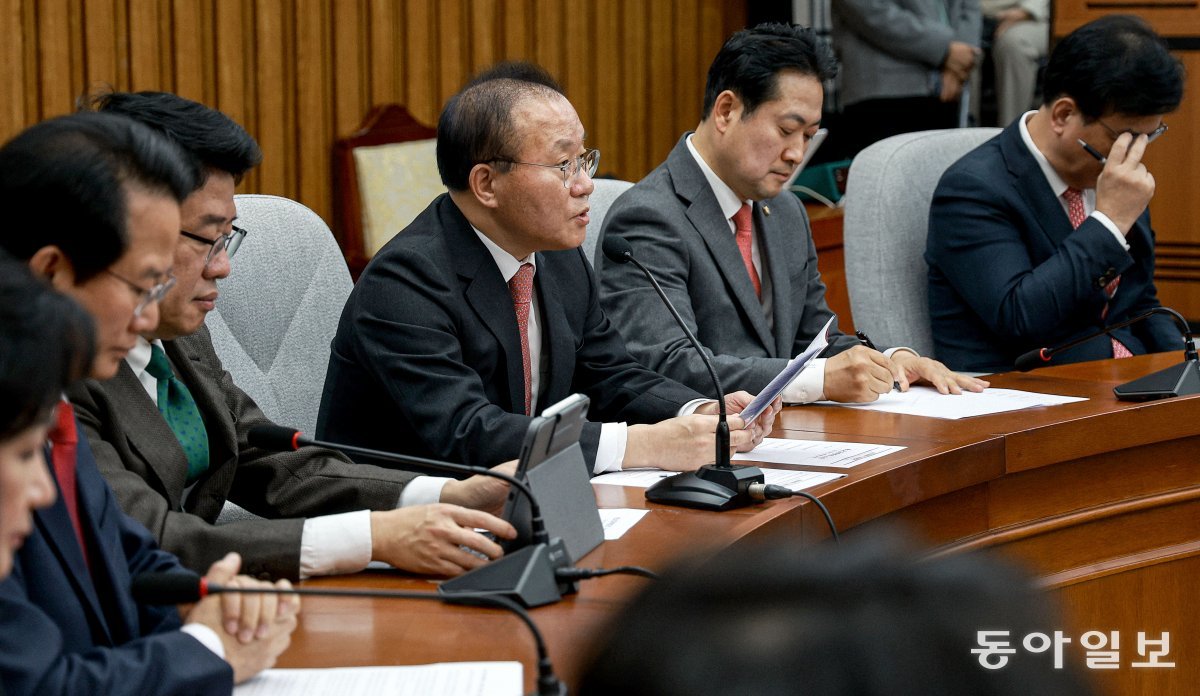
[(395, 182)]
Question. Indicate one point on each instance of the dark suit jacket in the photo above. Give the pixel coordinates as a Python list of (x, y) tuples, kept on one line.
[(144, 463), (427, 357), (1008, 274), (676, 227), (61, 634)]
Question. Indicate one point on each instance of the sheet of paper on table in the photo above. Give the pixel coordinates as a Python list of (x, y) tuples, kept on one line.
[(617, 521), (644, 478), (441, 679), (792, 370), (840, 455), (926, 401)]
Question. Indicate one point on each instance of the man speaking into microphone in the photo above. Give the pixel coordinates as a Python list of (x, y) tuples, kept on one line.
[(1042, 235)]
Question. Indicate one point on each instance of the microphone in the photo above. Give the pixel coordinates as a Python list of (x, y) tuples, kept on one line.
[(527, 574), (186, 588), (1177, 380), (721, 486)]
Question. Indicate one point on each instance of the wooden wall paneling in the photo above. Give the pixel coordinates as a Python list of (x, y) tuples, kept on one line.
[(420, 56), (691, 67), (579, 63), (484, 34), (662, 116), (313, 56), (452, 53), (351, 42), (55, 68), (518, 35), (101, 45), (604, 128), (273, 102), (232, 46), (12, 55), (548, 40), (143, 40), (631, 160), (383, 22), (191, 57)]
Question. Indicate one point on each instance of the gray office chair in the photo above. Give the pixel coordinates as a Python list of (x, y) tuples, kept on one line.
[(601, 199), (887, 201)]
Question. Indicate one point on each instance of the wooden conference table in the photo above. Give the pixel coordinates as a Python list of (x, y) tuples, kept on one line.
[(1100, 498)]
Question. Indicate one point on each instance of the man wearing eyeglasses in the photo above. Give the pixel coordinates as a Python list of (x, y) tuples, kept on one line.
[(170, 429), (484, 311), (1042, 234)]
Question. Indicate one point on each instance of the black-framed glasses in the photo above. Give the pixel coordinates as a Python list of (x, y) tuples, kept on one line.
[(229, 242), (146, 296), (588, 161), (1150, 137)]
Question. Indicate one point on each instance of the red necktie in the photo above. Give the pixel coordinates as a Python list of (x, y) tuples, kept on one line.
[(65, 439), (521, 287), (741, 220), (1076, 214)]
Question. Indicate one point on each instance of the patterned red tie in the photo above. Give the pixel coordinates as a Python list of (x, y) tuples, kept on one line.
[(1077, 214), (65, 439), (741, 220), (521, 287)]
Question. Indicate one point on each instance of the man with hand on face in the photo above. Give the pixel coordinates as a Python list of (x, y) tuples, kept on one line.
[(733, 249), (174, 462), (1042, 235), (93, 209), (484, 311)]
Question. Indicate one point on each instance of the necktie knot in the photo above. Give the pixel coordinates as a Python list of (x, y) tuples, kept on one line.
[(1075, 211), (63, 431), (159, 367), (521, 284), (741, 220), (745, 244)]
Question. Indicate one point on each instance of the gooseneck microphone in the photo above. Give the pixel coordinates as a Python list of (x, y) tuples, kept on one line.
[(186, 588), (721, 486), (527, 574), (1176, 380)]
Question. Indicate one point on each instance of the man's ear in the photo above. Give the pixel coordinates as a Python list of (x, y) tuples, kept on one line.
[(1061, 111), (481, 182), (727, 108), (52, 265)]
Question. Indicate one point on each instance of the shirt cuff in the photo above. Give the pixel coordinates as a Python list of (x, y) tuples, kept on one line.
[(335, 544), (1112, 227), (207, 637), (690, 407), (610, 452), (892, 351), (423, 490), (808, 386)]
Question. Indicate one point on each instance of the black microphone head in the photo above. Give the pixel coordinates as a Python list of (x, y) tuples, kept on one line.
[(166, 588), (273, 437), (617, 249), (1034, 358)]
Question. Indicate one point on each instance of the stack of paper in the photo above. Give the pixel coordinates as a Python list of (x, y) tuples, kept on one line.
[(926, 401), (442, 679)]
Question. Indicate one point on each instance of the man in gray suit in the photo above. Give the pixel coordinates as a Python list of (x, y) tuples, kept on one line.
[(734, 251), (169, 431)]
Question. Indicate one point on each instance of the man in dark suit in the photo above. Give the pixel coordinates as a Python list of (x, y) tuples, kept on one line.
[(93, 201), (355, 513), (733, 250), (1034, 239), (484, 311)]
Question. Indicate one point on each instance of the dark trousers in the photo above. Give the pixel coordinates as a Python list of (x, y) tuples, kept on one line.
[(875, 119)]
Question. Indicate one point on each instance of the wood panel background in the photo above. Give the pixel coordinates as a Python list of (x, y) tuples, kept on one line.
[(299, 74)]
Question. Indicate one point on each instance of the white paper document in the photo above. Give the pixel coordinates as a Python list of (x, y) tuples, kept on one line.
[(442, 679), (841, 455), (617, 521), (926, 401), (789, 373), (644, 478)]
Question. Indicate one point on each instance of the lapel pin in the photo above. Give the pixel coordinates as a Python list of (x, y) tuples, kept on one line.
[(766, 210)]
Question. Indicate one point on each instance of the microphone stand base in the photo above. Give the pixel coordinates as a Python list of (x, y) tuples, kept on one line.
[(708, 488), (1177, 380), (526, 576)]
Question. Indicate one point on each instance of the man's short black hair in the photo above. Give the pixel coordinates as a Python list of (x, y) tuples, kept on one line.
[(1114, 65), (46, 343), (208, 135), (867, 618), (750, 62), (65, 182), (476, 126)]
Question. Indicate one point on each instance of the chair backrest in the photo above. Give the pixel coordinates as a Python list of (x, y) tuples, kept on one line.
[(887, 201), (279, 308), (601, 199), (384, 175)]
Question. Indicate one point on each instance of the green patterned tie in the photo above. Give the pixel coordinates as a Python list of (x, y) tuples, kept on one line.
[(178, 407)]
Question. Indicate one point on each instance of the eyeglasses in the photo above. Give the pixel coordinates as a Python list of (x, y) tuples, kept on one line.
[(588, 161), (229, 242), (1150, 137), (146, 295)]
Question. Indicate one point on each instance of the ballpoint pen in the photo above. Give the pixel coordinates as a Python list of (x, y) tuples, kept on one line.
[(1093, 151), (862, 338)]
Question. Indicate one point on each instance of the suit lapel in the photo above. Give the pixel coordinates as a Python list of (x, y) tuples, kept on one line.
[(558, 346), (1029, 180), (204, 384), (489, 297), (150, 437), (705, 215), (772, 239)]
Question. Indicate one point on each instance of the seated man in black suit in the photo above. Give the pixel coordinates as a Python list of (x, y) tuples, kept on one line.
[(484, 311), (1034, 238), (93, 209), (355, 513)]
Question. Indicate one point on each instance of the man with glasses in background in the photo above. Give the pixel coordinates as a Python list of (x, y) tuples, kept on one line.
[(1042, 235), (484, 311), (170, 429)]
